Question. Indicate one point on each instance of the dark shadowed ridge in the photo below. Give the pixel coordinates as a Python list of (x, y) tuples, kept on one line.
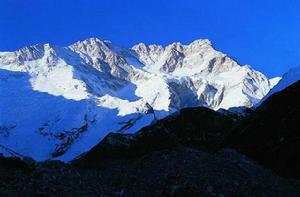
[(271, 135), (192, 127)]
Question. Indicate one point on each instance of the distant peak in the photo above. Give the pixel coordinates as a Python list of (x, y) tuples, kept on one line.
[(98, 40), (140, 45), (176, 44), (198, 42), (92, 41), (48, 46), (143, 47), (39, 47), (201, 42), (247, 66), (274, 81)]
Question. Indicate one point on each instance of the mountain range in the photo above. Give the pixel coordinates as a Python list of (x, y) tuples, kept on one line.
[(59, 102)]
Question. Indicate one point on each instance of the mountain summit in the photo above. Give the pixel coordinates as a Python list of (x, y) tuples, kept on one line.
[(58, 102)]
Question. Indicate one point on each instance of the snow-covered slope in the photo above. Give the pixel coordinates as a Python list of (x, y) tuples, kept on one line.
[(58, 102), (292, 76)]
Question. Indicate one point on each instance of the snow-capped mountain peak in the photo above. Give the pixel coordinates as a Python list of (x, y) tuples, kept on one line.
[(66, 99)]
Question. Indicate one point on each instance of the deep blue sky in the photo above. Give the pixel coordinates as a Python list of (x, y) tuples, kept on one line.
[(262, 33)]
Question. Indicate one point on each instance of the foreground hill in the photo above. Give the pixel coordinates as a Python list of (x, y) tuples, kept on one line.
[(271, 135), (177, 172), (191, 127)]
